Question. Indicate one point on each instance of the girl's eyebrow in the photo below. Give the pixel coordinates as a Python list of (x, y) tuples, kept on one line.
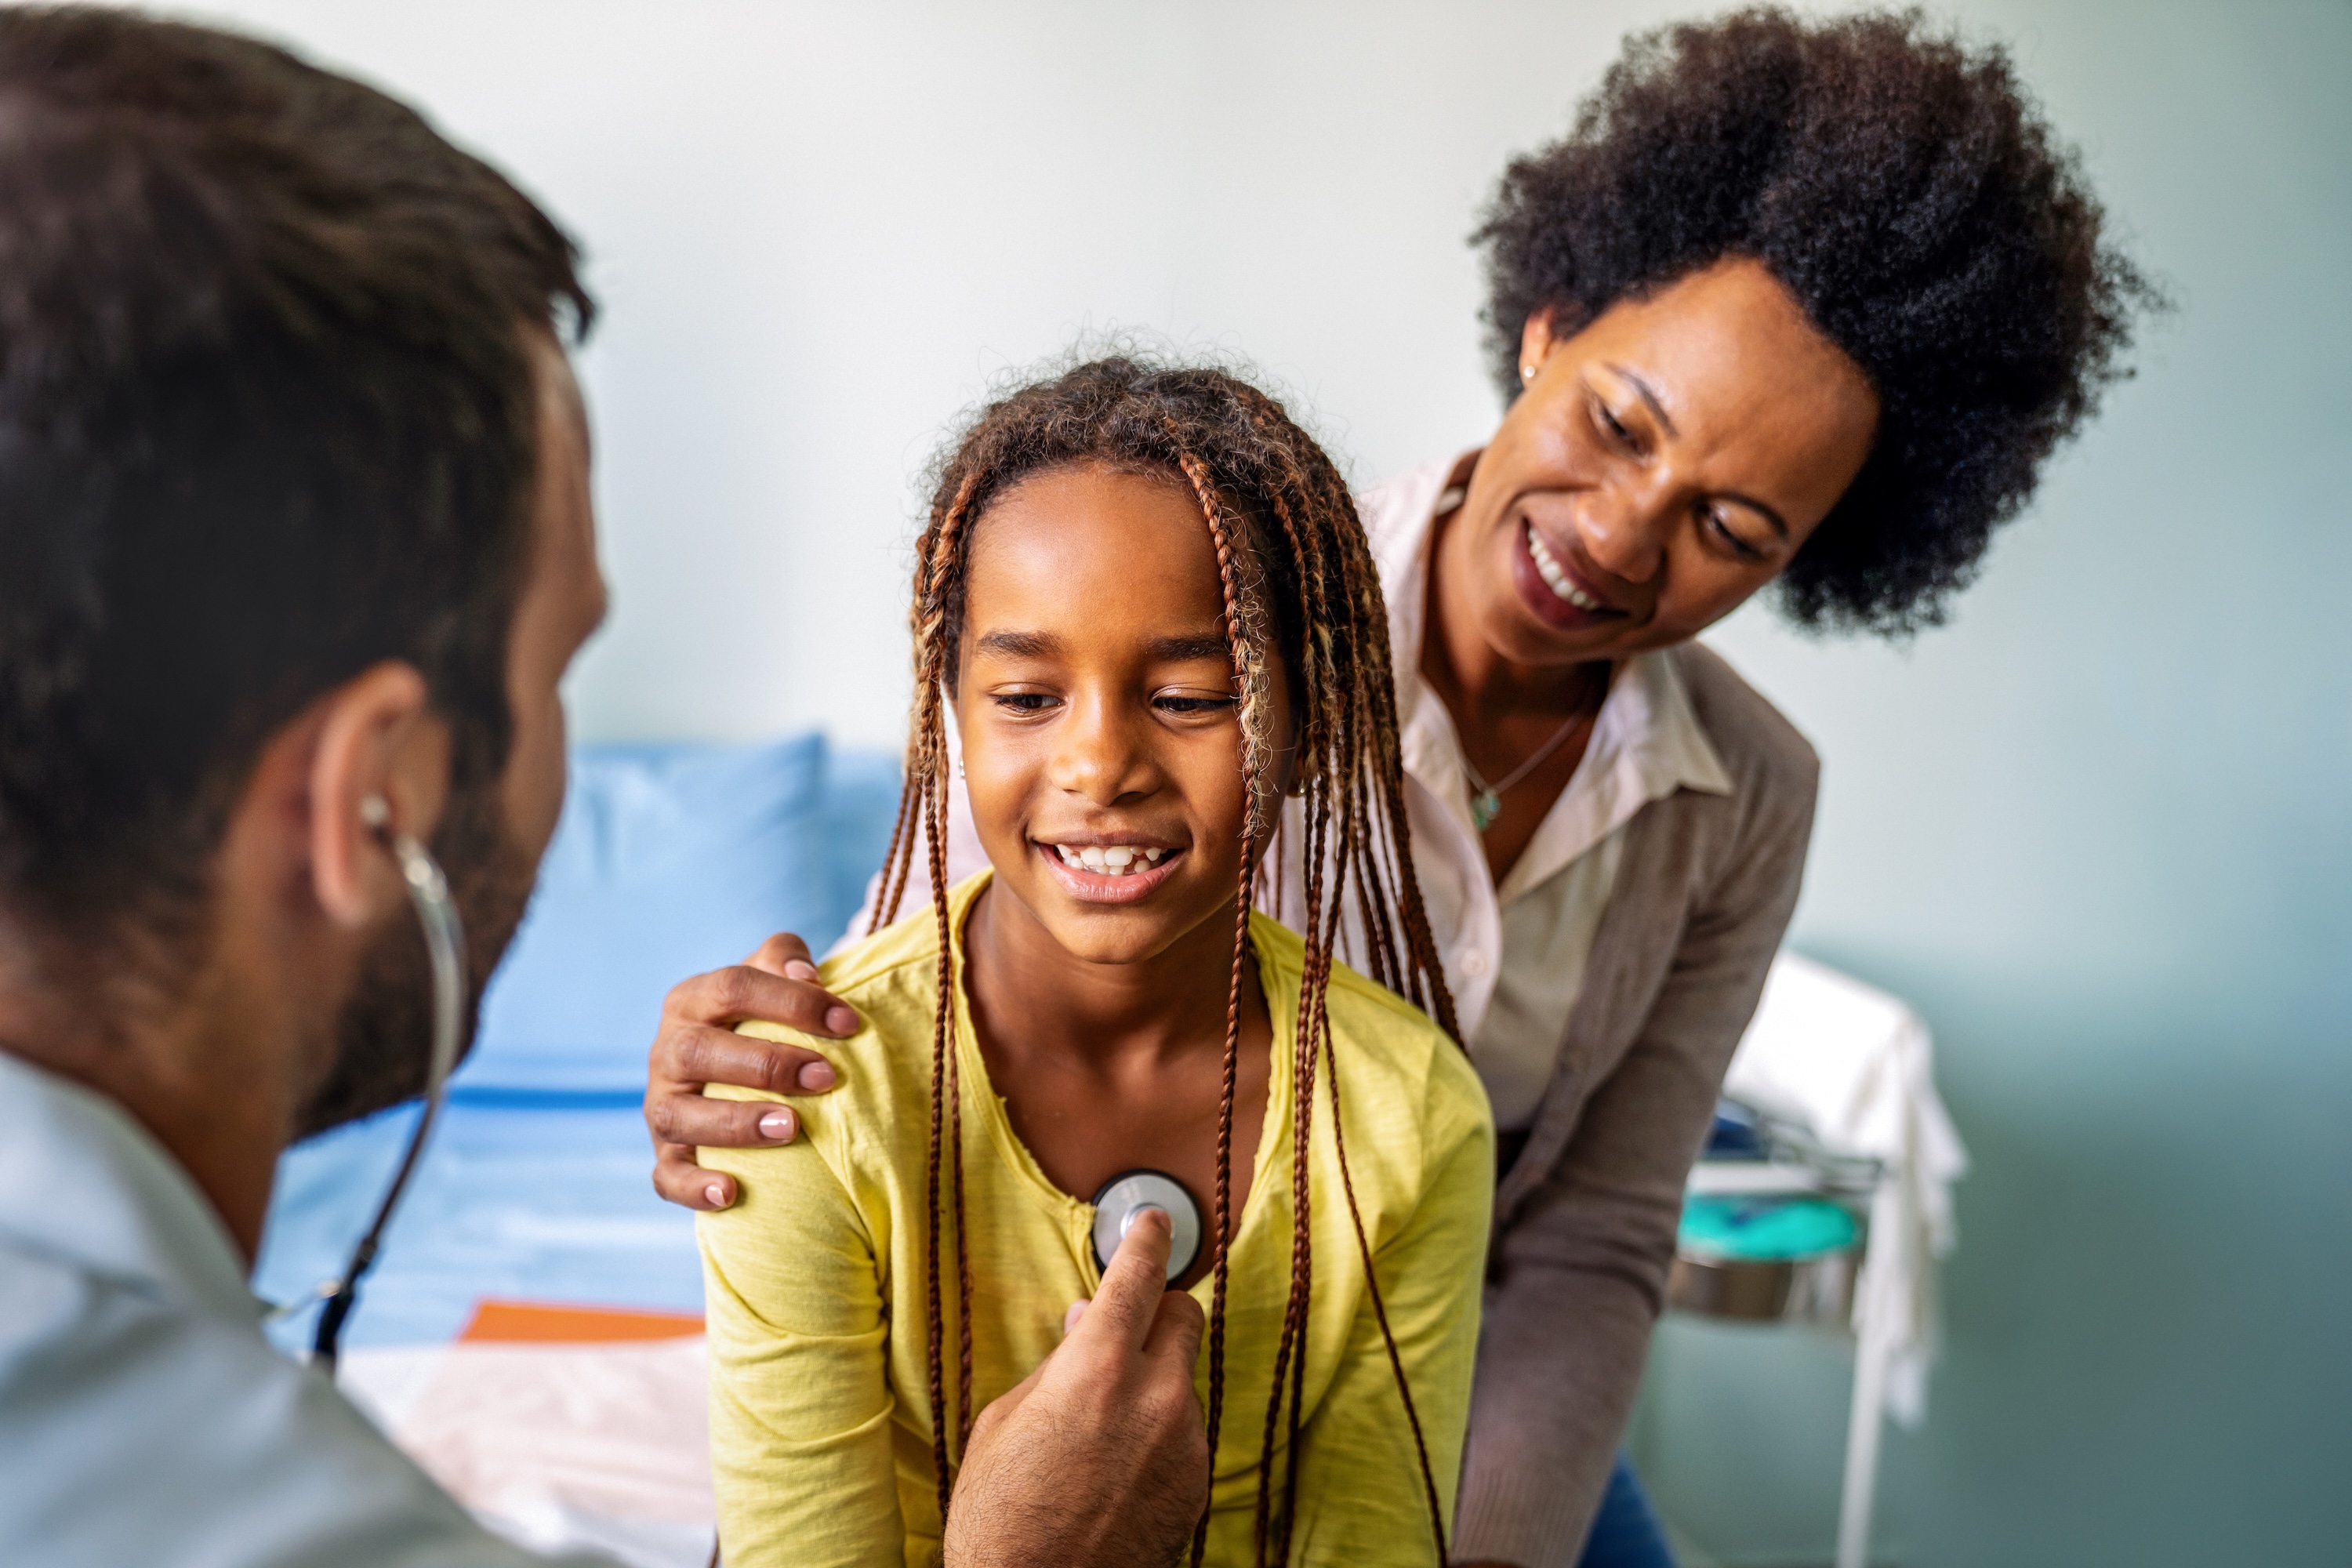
[(1184, 649), (1164, 650), (1019, 645)]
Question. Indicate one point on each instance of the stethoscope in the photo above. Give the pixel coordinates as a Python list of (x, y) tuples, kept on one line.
[(1122, 1201), (445, 945)]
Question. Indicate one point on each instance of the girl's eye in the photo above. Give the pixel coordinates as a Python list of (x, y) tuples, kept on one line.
[(1176, 703), (1023, 701)]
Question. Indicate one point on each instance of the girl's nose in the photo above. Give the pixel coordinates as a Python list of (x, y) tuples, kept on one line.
[(1099, 757)]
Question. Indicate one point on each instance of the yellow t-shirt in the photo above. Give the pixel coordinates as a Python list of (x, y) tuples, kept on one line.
[(820, 1427)]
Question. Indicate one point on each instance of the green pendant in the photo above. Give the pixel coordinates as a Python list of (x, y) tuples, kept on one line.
[(1483, 807)]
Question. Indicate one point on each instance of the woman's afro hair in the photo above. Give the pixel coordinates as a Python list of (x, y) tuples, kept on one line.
[(1906, 190)]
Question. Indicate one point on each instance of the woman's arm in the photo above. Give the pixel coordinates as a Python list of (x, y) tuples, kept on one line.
[(695, 1043), (1583, 1262), (800, 1398), (1361, 1499)]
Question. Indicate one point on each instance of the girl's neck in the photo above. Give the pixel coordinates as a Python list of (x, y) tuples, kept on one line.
[(1109, 1067), (1031, 996)]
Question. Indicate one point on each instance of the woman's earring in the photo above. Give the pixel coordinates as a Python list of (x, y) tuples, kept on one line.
[(1526, 373)]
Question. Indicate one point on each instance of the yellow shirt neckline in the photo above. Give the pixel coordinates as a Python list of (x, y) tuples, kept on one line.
[(1078, 1215)]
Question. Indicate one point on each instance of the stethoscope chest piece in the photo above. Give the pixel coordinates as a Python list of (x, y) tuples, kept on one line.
[(1128, 1195)]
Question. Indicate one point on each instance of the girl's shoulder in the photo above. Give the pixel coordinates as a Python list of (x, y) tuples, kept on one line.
[(1390, 1050), (891, 980)]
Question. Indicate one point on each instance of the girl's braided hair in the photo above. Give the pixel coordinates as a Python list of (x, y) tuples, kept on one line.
[(1297, 578)]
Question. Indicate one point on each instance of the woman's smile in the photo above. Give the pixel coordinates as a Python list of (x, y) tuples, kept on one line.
[(1558, 593)]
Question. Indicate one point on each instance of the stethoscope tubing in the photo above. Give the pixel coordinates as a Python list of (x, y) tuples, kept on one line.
[(444, 946)]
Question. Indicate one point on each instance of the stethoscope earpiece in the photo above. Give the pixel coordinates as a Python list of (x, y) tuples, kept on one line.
[(1128, 1195)]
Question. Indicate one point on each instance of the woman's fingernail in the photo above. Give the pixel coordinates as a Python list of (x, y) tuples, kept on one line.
[(817, 1074), (778, 1124), (801, 969), (841, 1020), (716, 1194)]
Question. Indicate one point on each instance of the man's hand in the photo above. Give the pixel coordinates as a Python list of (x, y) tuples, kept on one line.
[(698, 1045), (1100, 1455)]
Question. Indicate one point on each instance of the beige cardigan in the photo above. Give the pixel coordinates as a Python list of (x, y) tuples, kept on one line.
[(1585, 1217)]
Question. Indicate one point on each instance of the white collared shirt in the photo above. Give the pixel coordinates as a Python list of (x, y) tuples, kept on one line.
[(1514, 955), (143, 1417)]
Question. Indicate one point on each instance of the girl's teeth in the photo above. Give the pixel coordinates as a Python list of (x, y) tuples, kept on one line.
[(1547, 567), (1109, 861)]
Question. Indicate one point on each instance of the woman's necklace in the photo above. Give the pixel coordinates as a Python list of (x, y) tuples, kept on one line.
[(1488, 803)]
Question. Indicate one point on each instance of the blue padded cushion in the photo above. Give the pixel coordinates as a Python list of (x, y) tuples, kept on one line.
[(670, 860)]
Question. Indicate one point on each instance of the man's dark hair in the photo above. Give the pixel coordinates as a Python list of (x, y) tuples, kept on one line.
[(1906, 189), (268, 417)]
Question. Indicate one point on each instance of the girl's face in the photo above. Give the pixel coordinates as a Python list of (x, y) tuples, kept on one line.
[(1661, 466), (1102, 737)]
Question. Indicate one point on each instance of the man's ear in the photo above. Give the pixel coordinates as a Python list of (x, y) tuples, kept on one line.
[(378, 739)]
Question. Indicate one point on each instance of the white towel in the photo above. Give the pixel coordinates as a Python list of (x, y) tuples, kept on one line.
[(1855, 1068)]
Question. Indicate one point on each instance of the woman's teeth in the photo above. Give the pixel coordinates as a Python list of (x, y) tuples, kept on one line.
[(1110, 859), (1547, 567)]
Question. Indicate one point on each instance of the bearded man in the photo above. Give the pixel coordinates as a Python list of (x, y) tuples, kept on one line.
[(295, 546)]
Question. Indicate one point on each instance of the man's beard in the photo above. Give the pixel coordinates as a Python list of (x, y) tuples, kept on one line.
[(385, 1034)]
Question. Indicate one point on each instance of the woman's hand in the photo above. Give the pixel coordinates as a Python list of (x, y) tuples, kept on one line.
[(698, 1045)]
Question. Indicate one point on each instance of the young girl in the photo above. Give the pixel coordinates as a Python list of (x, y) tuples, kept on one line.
[(1146, 594)]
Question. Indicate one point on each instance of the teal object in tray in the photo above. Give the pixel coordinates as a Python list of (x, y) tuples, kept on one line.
[(1764, 1229)]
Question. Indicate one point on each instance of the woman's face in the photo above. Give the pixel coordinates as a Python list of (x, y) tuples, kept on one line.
[(1102, 740), (1661, 464)]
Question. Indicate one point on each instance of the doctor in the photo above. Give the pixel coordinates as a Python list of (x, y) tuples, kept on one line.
[(295, 546)]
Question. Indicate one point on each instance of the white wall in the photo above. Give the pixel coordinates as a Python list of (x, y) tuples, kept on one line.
[(820, 231), (2098, 829)]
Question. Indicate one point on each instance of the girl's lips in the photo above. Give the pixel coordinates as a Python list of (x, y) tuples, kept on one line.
[(1096, 888), (1548, 606)]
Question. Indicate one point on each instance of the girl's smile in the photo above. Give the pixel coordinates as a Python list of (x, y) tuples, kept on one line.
[(1120, 871)]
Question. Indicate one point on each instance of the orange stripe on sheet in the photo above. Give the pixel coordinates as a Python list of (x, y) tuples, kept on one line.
[(543, 1323)]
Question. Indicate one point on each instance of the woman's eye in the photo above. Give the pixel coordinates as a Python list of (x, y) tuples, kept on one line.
[(1712, 519), (1024, 702), (1611, 425)]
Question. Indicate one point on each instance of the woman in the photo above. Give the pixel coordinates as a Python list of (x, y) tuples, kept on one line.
[(1796, 304)]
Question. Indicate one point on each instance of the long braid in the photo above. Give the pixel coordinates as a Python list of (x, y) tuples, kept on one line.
[(937, 568), (1379, 1308), (924, 799), (1249, 699), (1290, 1352), (942, 1046), (1417, 965), (886, 906), (952, 1092)]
